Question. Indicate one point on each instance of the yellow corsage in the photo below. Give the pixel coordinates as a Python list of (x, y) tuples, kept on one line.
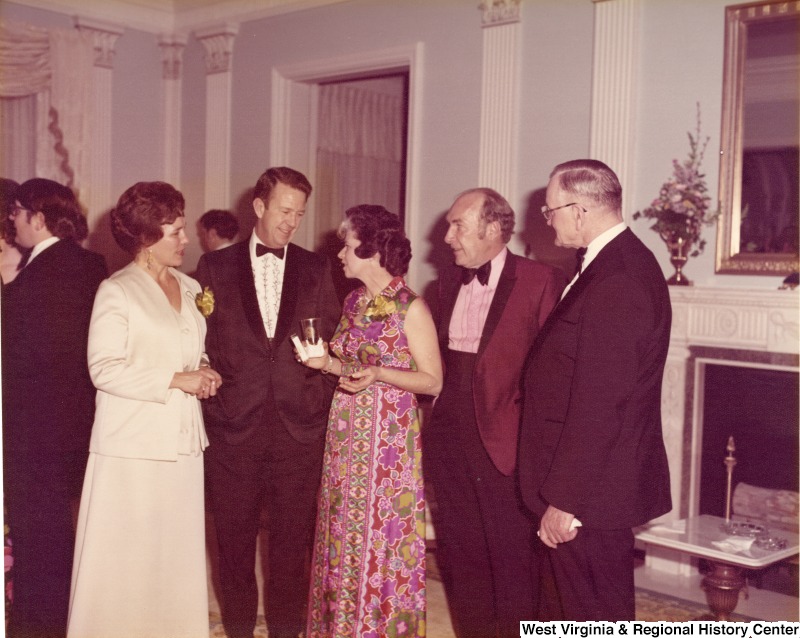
[(205, 301), (380, 308)]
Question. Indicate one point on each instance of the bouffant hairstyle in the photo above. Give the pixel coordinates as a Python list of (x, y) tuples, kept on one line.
[(379, 231), (59, 206), (590, 178), (288, 176), (141, 211)]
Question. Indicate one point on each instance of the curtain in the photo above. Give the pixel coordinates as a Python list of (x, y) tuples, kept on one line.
[(18, 137), (359, 154), (45, 100)]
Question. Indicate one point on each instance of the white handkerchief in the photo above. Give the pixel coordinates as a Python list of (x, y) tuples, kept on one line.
[(734, 545), (314, 349), (308, 350)]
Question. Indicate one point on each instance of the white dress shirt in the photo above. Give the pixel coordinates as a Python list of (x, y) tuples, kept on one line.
[(39, 248), (268, 278), (472, 308), (594, 248)]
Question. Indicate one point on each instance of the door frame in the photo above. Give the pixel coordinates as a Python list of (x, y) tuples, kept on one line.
[(294, 117)]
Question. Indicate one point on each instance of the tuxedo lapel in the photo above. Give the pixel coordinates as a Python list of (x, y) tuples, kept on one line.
[(51, 257), (501, 296), (247, 291), (291, 286), (607, 255)]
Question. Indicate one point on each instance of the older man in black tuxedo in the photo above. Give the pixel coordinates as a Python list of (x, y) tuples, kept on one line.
[(592, 461), (48, 399)]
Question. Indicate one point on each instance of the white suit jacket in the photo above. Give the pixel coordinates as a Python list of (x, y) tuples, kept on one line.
[(134, 351)]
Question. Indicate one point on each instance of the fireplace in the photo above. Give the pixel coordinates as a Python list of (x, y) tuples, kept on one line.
[(715, 326), (742, 327)]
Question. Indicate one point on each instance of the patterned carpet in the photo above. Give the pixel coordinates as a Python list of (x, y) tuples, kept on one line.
[(215, 629), (653, 606), (650, 606)]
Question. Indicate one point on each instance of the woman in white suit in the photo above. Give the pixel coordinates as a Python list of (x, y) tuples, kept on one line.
[(140, 567)]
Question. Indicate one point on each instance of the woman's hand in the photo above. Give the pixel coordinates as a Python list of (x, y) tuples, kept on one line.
[(360, 379), (202, 383)]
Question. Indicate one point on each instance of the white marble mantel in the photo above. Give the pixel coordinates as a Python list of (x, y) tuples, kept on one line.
[(738, 318), (751, 321), (751, 326)]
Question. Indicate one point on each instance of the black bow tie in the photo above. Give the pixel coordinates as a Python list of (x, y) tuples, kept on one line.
[(482, 273), (26, 255), (579, 255), (262, 250)]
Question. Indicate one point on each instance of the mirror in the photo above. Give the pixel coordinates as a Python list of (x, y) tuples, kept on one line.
[(759, 180)]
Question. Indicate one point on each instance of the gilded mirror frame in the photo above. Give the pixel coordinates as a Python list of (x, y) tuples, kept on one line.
[(730, 259)]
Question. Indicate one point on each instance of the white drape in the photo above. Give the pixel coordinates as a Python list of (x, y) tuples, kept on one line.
[(359, 153), (54, 68), (18, 137)]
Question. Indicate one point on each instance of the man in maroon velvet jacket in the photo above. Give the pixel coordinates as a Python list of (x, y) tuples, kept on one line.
[(491, 306)]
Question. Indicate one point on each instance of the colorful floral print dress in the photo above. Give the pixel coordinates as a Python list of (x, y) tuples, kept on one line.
[(368, 569)]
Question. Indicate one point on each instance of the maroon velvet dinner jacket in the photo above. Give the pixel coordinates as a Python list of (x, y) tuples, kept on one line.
[(526, 294)]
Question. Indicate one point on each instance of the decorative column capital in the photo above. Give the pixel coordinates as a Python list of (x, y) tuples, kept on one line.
[(218, 44), (171, 55), (497, 12), (104, 37)]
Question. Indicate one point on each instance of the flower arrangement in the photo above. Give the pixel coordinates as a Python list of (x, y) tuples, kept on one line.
[(682, 206), (205, 301)]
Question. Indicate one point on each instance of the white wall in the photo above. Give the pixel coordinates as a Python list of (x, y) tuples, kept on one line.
[(450, 88), (680, 65)]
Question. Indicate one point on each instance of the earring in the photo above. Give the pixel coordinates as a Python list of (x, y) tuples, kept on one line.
[(149, 259)]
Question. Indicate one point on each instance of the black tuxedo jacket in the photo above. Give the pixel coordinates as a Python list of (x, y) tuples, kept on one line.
[(590, 438), (526, 293), (48, 397), (238, 348)]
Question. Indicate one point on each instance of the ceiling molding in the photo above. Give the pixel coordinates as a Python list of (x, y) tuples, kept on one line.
[(169, 16)]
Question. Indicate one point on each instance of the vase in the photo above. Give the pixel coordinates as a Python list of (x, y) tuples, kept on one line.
[(679, 248)]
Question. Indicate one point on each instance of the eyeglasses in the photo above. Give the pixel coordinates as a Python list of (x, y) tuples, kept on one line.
[(16, 210), (548, 212)]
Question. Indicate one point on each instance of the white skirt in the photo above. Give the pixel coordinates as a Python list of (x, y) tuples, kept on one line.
[(140, 556)]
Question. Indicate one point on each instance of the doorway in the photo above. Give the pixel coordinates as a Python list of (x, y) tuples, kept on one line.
[(360, 156), (301, 99)]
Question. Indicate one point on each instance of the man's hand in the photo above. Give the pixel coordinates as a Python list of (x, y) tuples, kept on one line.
[(554, 527)]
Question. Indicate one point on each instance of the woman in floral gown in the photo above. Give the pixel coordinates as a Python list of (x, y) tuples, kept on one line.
[(368, 568)]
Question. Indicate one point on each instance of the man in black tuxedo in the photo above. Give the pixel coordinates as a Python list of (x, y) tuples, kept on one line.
[(266, 424), (592, 461), (48, 399)]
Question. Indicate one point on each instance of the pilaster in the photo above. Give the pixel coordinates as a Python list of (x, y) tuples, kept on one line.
[(614, 87), (500, 95), (104, 37), (218, 44), (172, 47)]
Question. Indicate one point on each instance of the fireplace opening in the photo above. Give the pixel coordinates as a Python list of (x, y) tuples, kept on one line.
[(758, 407)]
